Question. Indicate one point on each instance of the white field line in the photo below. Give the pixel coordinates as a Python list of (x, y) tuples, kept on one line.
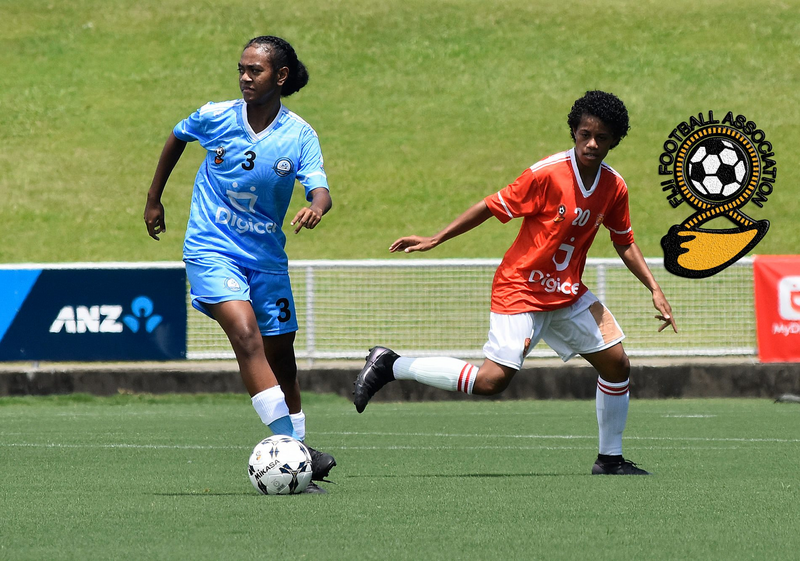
[(638, 439), (389, 448), (542, 447), (564, 437), (118, 445)]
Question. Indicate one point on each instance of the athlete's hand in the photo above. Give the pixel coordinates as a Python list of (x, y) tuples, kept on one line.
[(665, 312), (154, 218), (410, 244), (308, 217)]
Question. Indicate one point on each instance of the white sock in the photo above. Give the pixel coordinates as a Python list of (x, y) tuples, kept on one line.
[(612, 413), (448, 374), (270, 405), (299, 424)]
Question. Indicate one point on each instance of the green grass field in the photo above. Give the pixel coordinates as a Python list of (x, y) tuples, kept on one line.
[(422, 108), (143, 477)]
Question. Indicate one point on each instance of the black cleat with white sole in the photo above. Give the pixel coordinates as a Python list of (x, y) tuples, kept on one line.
[(375, 374)]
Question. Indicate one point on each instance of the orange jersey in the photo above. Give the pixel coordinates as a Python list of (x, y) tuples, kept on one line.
[(560, 217)]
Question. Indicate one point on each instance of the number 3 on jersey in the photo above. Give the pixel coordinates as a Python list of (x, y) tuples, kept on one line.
[(251, 158)]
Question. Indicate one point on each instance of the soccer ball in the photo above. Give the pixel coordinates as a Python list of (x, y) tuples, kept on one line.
[(717, 169), (280, 465)]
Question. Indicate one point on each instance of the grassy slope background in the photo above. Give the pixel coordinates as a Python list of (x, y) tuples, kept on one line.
[(422, 109)]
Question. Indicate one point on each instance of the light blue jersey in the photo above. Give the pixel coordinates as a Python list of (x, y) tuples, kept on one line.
[(243, 188)]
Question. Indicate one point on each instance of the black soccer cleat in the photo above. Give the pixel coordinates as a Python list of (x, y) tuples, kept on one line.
[(314, 488), (375, 374), (616, 466), (321, 464)]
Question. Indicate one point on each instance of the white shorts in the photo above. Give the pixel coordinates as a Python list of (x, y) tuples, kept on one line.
[(584, 327)]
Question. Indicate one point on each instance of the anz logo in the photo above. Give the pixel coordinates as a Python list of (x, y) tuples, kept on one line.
[(107, 318), (143, 317)]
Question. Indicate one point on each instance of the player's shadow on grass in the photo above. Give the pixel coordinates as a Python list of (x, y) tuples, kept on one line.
[(202, 494), (476, 475)]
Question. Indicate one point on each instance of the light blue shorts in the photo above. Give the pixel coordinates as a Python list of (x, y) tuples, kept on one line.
[(218, 279)]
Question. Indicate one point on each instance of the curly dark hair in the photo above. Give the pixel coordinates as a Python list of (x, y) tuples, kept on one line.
[(605, 106), (282, 54)]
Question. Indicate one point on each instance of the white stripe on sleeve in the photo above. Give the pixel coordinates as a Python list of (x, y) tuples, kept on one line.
[(502, 202)]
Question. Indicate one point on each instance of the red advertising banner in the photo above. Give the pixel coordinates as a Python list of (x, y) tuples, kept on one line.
[(777, 286)]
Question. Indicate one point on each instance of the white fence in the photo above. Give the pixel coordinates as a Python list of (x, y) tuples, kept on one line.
[(429, 307)]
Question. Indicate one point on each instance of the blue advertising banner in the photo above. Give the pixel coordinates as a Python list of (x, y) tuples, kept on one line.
[(114, 312)]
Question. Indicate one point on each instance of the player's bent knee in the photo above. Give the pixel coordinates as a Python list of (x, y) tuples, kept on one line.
[(616, 371), (623, 366)]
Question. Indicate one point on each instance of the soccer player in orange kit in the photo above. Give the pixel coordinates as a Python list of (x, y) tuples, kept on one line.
[(537, 292)]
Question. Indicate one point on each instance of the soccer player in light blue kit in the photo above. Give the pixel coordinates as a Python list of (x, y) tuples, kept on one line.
[(234, 245)]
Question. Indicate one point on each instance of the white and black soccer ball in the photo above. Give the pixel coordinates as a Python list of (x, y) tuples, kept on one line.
[(280, 465), (717, 169)]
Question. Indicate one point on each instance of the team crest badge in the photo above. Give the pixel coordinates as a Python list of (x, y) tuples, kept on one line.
[(283, 167), (220, 152), (717, 167), (562, 211)]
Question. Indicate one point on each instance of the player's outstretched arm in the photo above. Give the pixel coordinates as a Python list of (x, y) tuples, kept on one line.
[(631, 255), (476, 215), (310, 216), (153, 209)]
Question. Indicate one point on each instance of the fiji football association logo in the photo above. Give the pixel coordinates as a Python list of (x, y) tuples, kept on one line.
[(283, 167), (717, 167)]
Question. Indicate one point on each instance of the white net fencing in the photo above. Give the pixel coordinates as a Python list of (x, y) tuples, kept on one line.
[(441, 307)]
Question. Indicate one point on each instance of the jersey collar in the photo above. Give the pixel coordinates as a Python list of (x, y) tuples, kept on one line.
[(267, 131), (586, 192)]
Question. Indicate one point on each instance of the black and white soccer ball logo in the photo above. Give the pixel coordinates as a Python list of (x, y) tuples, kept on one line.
[(717, 169)]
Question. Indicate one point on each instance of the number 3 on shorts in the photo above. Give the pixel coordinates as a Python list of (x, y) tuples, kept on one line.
[(285, 311)]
